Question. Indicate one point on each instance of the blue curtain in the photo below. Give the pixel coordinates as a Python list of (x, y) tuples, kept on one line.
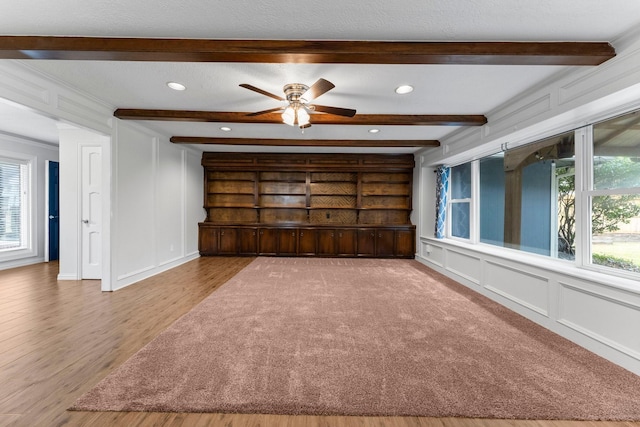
[(442, 189)]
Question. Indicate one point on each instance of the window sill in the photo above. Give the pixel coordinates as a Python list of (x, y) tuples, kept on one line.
[(16, 254)]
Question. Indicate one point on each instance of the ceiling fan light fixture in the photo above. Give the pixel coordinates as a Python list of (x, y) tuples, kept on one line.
[(289, 116), (303, 117), (404, 89), (298, 107), (176, 86)]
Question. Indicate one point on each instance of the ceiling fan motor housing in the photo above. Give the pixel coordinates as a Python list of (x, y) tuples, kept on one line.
[(294, 91)]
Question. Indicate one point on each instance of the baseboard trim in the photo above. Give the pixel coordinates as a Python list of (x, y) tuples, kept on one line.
[(136, 277)]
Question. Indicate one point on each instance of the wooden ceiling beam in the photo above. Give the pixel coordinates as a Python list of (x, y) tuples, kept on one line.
[(304, 51), (316, 119), (304, 142)]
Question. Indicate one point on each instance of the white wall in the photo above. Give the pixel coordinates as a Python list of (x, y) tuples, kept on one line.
[(157, 205), (598, 311), (39, 154), (194, 199)]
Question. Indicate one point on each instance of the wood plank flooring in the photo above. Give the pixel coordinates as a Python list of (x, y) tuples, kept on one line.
[(58, 339)]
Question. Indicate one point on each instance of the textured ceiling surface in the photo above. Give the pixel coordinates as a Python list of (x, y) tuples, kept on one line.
[(439, 89), (543, 20)]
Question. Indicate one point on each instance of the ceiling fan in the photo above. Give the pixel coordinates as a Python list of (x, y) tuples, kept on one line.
[(298, 97)]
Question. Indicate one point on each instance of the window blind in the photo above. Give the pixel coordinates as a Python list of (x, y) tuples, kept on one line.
[(12, 203)]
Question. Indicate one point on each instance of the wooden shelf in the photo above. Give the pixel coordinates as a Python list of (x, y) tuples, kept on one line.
[(308, 190)]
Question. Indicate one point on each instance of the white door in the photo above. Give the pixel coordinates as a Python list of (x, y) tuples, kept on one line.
[(91, 212)]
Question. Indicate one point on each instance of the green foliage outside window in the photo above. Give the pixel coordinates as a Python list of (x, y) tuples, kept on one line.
[(607, 212)]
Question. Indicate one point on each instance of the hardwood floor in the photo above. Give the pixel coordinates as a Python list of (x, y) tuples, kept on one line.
[(58, 339)]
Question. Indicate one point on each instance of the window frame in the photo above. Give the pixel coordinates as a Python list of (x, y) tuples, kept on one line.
[(584, 193), (584, 252), (28, 247), (473, 205)]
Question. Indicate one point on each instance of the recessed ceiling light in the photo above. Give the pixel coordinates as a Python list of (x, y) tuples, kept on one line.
[(176, 86), (225, 129), (374, 130), (404, 89)]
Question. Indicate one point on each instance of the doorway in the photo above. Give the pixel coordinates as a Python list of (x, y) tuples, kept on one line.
[(53, 211)]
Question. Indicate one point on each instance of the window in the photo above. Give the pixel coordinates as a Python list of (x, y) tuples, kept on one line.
[(14, 204), (527, 197), (460, 201), (578, 188), (614, 194)]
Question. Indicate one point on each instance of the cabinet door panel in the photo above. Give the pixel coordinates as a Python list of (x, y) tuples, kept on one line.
[(346, 242), (288, 241), (405, 243), (306, 241), (366, 242), (208, 240), (248, 241), (326, 242), (228, 241), (384, 242), (268, 241)]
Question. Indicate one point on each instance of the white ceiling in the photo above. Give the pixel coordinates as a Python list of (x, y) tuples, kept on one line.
[(439, 89)]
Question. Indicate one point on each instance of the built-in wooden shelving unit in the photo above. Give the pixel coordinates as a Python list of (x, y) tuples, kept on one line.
[(328, 204)]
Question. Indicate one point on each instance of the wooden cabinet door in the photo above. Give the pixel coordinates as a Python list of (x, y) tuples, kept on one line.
[(346, 242), (287, 241), (208, 240), (366, 242), (306, 241), (405, 243), (326, 242), (268, 241), (228, 241), (384, 242), (248, 241)]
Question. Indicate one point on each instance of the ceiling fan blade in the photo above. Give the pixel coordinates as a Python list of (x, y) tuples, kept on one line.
[(270, 110), (346, 112), (320, 87), (263, 92)]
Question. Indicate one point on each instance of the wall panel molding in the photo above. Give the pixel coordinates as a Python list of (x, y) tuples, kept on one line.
[(518, 285), (606, 78), (463, 265), (153, 226), (136, 272), (91, 114), (574, 312), (31, 88), (511, 121), (18, 89)]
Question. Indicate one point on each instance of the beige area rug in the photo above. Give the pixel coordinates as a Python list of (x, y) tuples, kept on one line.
[(362, 337)]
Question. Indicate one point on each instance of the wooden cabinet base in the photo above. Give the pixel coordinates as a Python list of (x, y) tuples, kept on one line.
[(292, 240)]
